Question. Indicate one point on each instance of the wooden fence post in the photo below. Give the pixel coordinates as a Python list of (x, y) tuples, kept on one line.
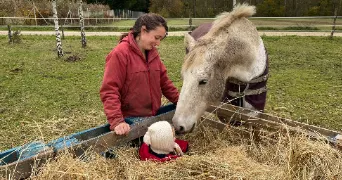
[(334, 25), (80, 13), (334, 22), (10, 37), (34, 13), (88, 14), (62, 28), (58, 35)]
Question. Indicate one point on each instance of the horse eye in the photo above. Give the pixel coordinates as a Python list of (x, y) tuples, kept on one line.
[(203, 81)]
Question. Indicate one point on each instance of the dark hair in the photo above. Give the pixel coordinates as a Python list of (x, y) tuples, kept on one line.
[(150, 20)]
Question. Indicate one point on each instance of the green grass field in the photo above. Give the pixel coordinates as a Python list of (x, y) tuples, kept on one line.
[(44, 97)]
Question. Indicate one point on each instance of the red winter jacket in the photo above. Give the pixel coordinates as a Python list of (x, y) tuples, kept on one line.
[(132, 86)]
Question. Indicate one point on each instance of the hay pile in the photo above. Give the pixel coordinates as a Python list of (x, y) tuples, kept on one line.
[(213, 155)]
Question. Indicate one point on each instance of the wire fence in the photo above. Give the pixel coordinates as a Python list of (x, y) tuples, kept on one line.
[(93, 17)]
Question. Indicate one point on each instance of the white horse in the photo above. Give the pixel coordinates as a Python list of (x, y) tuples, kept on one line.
[(232, 48)]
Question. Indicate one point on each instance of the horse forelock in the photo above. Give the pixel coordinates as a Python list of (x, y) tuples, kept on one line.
[(195, 57)]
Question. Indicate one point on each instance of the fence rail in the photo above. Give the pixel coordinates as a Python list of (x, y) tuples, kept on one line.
[(307, 22), (104, 26), (300, 17)]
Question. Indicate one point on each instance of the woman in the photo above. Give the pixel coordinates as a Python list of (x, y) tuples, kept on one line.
[(134, 77)]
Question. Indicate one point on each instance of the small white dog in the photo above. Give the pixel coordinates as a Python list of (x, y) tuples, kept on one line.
[(160, 136)]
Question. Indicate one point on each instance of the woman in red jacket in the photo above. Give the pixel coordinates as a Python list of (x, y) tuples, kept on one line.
[(134, 77)]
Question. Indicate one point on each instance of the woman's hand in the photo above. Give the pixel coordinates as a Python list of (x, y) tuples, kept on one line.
[(122, 128)]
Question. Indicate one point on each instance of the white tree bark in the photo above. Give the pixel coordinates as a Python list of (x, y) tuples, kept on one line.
[(80, 13), (58, 35)]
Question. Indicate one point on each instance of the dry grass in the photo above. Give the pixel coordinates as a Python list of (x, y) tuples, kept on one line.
[(212, 155)]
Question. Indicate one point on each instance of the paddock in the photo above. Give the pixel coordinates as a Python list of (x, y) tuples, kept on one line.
[(45, 97)]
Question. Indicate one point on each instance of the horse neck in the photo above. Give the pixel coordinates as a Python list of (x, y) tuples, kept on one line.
[(259, 65)]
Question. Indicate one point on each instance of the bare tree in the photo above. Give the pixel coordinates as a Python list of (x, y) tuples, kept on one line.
[(80, 13), (58, 35)]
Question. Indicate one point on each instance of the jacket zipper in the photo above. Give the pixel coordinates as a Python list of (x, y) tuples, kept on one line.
[(149, 83)]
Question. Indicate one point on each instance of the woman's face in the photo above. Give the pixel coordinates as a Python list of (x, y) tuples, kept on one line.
[(152, 38)]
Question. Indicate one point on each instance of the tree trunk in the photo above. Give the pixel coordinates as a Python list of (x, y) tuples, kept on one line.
[(62, 32), (294, 2), (58, 35), (80, 13), (285, 8), (194, 13)]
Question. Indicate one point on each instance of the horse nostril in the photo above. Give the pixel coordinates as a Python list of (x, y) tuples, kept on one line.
[(181, 128)]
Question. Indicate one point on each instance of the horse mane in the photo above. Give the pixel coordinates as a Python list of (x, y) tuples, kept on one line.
[(225, 19)]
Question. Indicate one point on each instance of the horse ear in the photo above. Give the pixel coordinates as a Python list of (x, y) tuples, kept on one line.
[(189, 41)]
